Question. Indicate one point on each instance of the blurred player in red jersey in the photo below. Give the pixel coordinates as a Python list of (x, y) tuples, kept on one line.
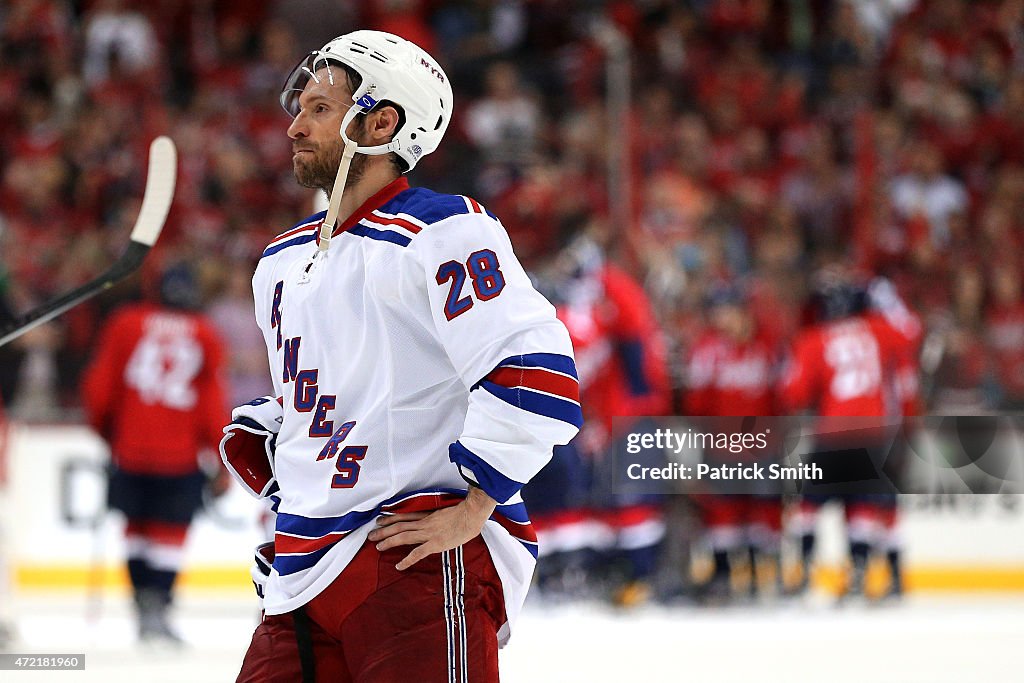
[(884, 301), (732, 372), (571, 537), (620, 358), (848, 364), (155, 393)]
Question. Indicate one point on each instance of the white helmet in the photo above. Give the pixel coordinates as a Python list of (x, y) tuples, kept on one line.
[(392, 69)]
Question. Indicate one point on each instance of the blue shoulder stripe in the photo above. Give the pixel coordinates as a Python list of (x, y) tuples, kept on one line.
[(427, 206), (309, 219), (301, 239), (275, 246), (380, 235)]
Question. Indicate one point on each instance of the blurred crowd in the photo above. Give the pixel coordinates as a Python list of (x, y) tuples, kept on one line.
[(762, 143), (764, 138)]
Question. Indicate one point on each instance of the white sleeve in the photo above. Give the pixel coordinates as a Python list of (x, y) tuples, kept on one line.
[(508, 348), (265, 290)]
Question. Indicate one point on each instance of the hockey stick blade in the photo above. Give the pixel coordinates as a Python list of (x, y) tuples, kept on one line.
[(156, 202)]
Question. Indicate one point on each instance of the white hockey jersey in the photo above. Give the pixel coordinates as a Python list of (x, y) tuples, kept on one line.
[(415, 355)]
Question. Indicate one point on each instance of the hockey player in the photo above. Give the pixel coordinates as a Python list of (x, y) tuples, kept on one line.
[(621, 363), (420, 381), (155, 392), (884, 301), (732, 371), (848, 364)]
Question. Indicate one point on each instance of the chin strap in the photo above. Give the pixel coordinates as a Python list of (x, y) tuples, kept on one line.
[(363, 105), (330, 221)]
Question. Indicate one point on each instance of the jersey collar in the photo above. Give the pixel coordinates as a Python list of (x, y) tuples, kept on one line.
[(385, 195)]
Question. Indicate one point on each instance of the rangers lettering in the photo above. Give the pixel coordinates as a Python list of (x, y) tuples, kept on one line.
[(330, 448), (305, 397), (320, 426), (348, 467), (290, 361), (305, 390), (275, 311)]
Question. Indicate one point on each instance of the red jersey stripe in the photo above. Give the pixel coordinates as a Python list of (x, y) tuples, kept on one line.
[(296, 231), (400, 222), (524, 532), (423, 503), (286, 545), (537, 378)]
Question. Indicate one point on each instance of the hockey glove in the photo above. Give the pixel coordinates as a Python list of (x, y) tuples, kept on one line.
[(247, 448), (260, 570)]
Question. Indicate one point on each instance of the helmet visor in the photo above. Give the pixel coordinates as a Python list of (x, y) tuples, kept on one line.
[(305, 71)]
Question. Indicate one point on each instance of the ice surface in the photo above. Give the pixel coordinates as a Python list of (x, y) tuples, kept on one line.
[(926, 639)]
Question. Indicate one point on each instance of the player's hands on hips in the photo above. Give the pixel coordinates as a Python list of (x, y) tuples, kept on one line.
[(434, 532)]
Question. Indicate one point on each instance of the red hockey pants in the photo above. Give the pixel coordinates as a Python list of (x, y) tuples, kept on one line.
[(436, 621)]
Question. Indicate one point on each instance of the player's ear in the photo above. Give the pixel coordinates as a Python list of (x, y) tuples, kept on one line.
[(382, 123)]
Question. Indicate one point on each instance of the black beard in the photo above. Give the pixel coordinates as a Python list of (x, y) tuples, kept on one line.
[(323, 169)]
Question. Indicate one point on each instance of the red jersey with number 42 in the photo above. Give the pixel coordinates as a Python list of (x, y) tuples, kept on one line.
[(154, 391), (847, 368)]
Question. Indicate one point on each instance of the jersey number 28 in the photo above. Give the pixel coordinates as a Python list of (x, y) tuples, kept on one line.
[(485, 272)]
